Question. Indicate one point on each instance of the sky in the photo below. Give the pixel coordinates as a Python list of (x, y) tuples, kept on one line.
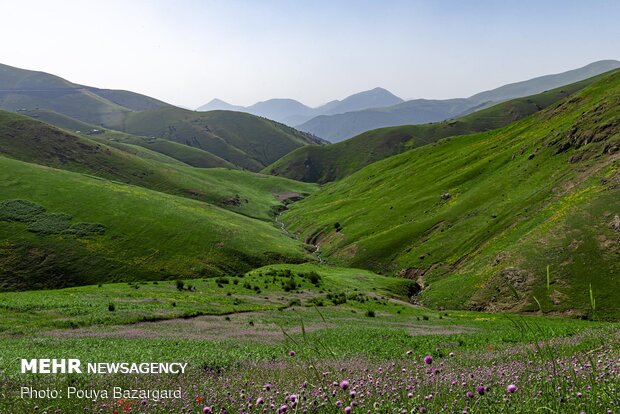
[(187, 52)]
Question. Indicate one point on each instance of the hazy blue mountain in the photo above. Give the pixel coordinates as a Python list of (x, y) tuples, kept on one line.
[(279, 109), (374, 98), (543, 83), (219, 105), (339, 127), (292, 112)]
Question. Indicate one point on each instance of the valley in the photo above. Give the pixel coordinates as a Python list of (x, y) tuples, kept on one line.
[(416, 268)]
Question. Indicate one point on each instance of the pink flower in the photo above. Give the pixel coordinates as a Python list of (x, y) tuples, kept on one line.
[(511, 388), (344, 384), (347, 410), (260, 400), (291, 353), (428, 360)]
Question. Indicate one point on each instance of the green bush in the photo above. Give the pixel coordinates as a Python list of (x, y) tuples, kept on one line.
[(50, 223), (19, 210), (82, 229), (370, 313)]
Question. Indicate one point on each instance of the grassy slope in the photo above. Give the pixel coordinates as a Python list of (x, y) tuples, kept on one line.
[(20, 88), (242, 139), (31, 141), (333, 162), (169, 149), (149, 235), (542, 191)]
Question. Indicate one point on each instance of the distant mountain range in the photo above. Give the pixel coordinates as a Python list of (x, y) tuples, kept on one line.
[(343, 126), (292, 112), (377, 108)]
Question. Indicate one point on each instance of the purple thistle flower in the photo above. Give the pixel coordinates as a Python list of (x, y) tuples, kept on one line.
[(511, 388), (207, 410), (260, 400), (481, 390), (344, 384), (291, 353), (469, 394), (428, 360), (347, 410)]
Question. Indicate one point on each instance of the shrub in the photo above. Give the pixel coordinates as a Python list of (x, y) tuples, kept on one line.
[(180, 285), (294, 302), (313, 277), (370, 313), (222, 280), (82, 229), (316, 301), (111, 307), (290, 284), (19, 210), (49, 223)]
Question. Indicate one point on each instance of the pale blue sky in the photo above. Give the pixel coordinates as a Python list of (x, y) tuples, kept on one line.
[(188, 52)]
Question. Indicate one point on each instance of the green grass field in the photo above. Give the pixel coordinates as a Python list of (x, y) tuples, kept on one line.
[(148, 234), (340, 325)]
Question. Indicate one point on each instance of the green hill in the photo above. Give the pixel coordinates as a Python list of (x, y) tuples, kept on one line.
[(245, 140), (333, 162), (229, 138), (243, 192), (477, 219), (25, 89), (60, 228)]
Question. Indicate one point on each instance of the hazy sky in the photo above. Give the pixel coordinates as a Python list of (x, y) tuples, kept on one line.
[(187, 52)]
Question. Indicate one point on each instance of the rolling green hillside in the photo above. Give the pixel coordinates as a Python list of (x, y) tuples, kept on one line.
[(168, 149), (333, 162), (242, 139), (477, 219), (243, 192), (224, 138), (60, 228)]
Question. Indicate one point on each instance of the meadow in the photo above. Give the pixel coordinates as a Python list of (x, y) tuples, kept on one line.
[(303, 338)]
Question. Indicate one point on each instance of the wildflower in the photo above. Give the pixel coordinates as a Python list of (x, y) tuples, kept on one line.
[(469, 394), (267, 386), (344, 384), (410, 395), (347, 410), (260, 400), (283, 408), (511, 388), (207, 410), (292, 353), (481, 390), (579, 395)]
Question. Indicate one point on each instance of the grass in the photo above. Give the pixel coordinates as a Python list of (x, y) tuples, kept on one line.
[(334, 162), (244, 140), (240, 347), (35, 142), (149, 235), (477, 217)]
